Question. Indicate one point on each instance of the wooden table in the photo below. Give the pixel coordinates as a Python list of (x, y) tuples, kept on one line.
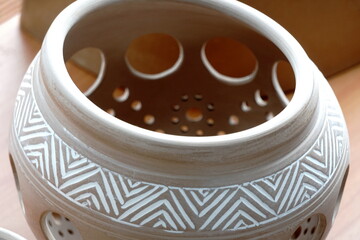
[(17, 50)]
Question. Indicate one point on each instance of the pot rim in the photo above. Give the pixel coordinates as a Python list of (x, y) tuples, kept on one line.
[(65, 93), (9, 235)]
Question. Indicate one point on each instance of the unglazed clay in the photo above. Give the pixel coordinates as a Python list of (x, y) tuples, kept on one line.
[(8, 235), (190, 152)]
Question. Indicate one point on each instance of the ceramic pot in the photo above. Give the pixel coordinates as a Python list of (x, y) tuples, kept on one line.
[(8, 235), (188, 148)]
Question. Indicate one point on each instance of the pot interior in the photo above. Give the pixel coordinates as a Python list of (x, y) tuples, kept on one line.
[(177, 68)]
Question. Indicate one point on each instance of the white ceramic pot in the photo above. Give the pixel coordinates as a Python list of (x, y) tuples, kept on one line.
[(8, 235), (192, 151)]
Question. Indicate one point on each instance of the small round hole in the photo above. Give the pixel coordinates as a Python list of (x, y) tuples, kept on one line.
[(261, 98), (149, 119), (199, 132), (61, 234), (175, 120), (154, 55), (269, 116), (297, 233), (111, 111), (194, 114), (198, 97), (245, 107), (71, 232), (229, 60), (57, 218), (121, 94), (210, 122), (211, 107), (311, 228), (86, 68), (184, 98), (233, 120), (176, 107), (50, 223), (136, 105), (184, 128)]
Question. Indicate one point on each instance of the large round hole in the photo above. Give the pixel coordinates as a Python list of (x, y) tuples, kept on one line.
[(86, 68), (229, 60), (283, 78), (55, 226), (153, 56)]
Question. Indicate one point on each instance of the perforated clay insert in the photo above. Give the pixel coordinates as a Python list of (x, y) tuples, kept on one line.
[(184, 80), (56, 227), (311, 229)]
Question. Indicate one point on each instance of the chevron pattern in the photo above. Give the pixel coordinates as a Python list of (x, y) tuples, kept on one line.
[(169, 208)]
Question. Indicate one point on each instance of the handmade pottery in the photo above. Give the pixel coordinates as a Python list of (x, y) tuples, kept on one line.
[(193, 147)]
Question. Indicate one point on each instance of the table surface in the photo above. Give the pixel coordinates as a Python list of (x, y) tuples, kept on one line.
[(17, 49)]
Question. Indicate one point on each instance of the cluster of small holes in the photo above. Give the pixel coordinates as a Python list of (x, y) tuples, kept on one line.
[(261, 99), (121, 94), (310, 229), (193, 114), (56, 227)]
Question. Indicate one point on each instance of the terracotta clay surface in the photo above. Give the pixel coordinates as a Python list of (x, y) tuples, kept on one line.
[(315, 219)]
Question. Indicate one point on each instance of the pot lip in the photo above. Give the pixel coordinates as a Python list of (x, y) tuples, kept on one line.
[(57, 80), (7, 234)]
